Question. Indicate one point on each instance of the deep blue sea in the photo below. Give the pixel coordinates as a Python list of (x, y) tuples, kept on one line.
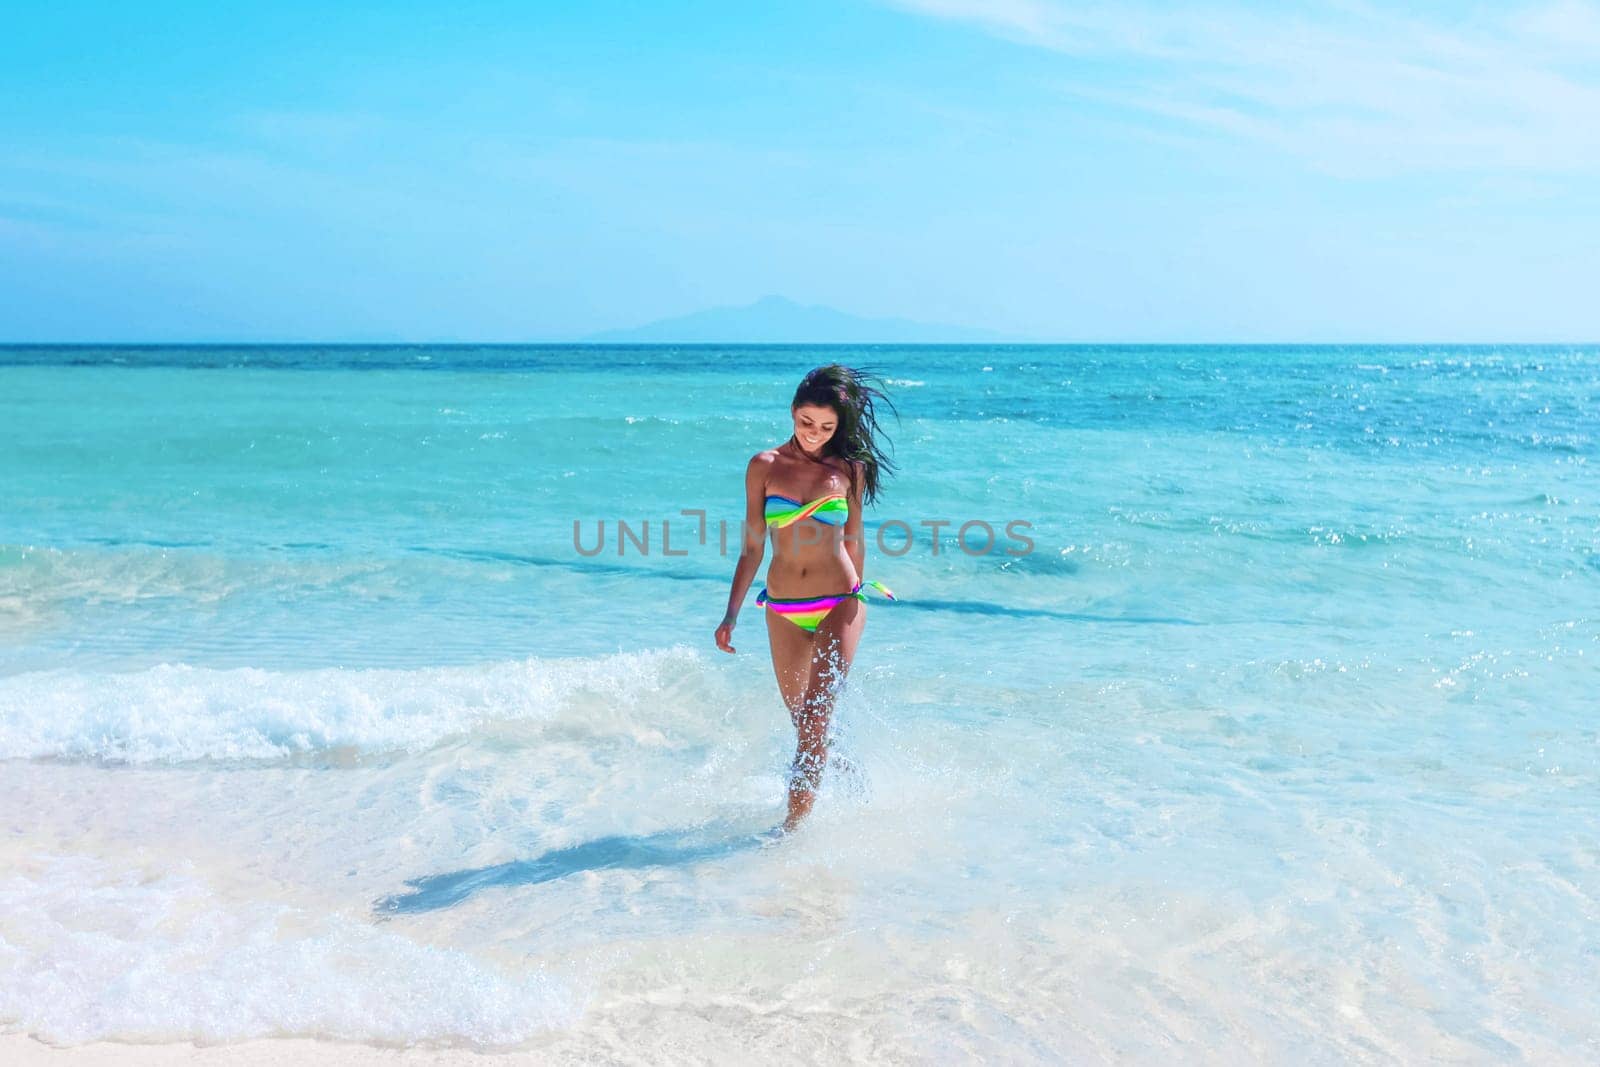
[(318, 716)]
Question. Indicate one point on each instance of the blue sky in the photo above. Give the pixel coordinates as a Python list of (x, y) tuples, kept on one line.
[(475, 171)]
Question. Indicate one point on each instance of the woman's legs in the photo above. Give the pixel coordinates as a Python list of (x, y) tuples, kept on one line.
[(832, 650)]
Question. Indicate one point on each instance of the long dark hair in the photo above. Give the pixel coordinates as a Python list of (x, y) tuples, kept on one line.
[(852, 394)]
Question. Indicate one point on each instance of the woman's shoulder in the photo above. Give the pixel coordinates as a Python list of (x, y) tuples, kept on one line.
[(761, 466)]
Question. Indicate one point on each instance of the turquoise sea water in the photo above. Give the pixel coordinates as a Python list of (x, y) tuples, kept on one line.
[(1279, 742)]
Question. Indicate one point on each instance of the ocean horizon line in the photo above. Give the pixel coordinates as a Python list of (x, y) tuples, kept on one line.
[(656, 345)]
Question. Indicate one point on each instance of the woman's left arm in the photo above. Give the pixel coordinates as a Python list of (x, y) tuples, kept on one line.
[(855, 541)]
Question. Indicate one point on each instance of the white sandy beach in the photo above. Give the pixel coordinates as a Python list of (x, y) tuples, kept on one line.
[(25, 1051)]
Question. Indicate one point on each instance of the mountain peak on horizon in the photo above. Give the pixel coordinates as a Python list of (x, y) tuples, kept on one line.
[(777, 319)]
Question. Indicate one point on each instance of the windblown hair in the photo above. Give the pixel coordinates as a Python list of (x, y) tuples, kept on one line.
[(852, 394)]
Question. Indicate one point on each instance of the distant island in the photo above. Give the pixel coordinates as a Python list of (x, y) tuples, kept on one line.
[(777, 320)]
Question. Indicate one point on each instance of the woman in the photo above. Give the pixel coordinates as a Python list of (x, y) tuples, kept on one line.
[(810, 492)]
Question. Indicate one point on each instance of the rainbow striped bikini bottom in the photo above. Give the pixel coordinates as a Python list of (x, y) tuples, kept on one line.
[(808, 612)]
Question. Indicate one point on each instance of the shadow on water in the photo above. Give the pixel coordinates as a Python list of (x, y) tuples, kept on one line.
[(982, 607), (673, 848)]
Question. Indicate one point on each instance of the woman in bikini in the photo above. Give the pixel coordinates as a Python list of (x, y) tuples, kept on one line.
[(810, 492)]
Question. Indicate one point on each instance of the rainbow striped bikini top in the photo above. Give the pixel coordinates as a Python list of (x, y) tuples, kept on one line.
[(831, 510)]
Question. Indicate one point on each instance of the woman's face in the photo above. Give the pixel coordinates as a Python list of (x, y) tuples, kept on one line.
[(814, 426)]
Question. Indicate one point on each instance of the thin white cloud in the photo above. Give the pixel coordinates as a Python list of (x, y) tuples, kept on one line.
[(326, 129), (1347, 86), (1567, 25)]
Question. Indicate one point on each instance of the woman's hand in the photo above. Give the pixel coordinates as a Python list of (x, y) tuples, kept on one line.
[(725, 635)]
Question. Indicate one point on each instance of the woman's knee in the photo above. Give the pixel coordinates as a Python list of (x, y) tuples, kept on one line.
[(796, 700), (823, 692), (811, 722)]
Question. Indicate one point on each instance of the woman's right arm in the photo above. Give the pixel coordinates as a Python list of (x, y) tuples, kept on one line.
[(752, 543)]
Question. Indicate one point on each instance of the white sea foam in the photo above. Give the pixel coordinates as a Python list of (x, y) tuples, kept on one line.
[(179, 712), (92, 951)]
